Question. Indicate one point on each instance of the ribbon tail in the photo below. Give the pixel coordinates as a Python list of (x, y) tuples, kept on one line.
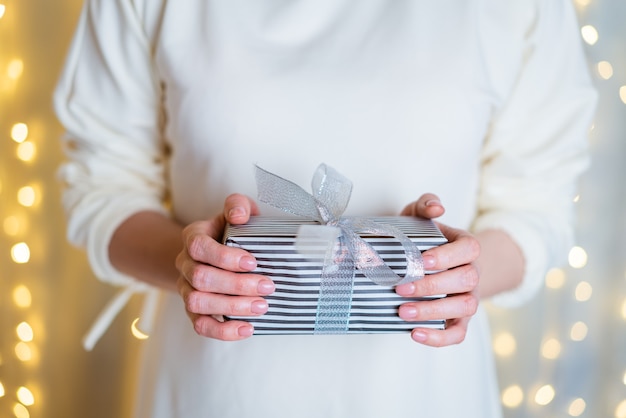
[(335, 293), (104, 319), (369, 261), (114, 307)]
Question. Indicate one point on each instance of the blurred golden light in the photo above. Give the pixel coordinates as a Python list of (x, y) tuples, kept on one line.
[(26, 151), (589, 34), (22, 296), (583, 291), (20, 411), (26, 196), (622, 94), (578, 332), (624, 378), (136, 332), (576, 198), (20, 253), (624, 309), (25, 396), (544, 395), (2, 10), (512, 396), (24, 332), (620, 411), (551, 349), (504, 344), (577, 257), (577, 407), (23, 351), (583, 2), (15, 68), (605, 69), (555, 278), (11, 225), (1, 390), (19, 132)]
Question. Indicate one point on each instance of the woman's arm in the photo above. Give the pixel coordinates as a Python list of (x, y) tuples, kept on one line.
[(500, 263), (472, 266), (153, 248), (145, 247)]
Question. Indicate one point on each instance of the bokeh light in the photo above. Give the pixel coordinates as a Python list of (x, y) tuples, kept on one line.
[(577, 257), (551, 349), (589, 34), (22, 297), (578, 332), (544, 395), (605, 70), (25, 332), (555, 278), (512, 396), (19, 132), (15, 69), (25, 396), (577, 407), (20, 253), (504, 344), (583, 291)]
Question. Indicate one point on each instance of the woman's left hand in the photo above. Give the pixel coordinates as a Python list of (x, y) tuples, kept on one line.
[(457, 278)]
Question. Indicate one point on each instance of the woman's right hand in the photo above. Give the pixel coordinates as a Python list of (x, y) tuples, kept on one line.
[(214, 279)]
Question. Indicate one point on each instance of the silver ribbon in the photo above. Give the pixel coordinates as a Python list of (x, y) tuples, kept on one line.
[(345, 250)]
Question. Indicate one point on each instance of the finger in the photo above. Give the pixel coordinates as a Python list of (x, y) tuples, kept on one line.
[(201, 246), (455, 333), (427, 206), (458, 280), (238, 208), (454, 306), (461, 248), (205, 303), (207, 278), (210, 327)]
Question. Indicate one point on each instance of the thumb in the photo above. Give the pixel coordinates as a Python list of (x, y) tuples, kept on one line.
[(427, 206), (238, 208)]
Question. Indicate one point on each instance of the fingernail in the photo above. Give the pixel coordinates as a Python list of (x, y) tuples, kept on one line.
[(236, 212), (433, 202), (245, 330), (406, 289), (258, 307), (265, 287), (407, 312), (419, 336), (429, 261), (247, 262)]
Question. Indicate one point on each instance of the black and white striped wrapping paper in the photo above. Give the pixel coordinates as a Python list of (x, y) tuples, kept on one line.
[(293, 306)]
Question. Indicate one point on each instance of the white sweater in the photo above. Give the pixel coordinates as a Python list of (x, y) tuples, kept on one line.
[(485, 103)]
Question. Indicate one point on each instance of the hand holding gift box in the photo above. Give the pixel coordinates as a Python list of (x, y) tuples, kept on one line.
[(212, 284), (333, 274)]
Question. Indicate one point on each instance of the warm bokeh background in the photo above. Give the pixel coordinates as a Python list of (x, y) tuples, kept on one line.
[(562, 355)]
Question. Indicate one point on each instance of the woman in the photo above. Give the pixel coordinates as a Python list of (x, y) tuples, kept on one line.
[(168, 106)]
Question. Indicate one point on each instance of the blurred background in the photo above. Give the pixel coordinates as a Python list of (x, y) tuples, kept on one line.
[(562, 355)]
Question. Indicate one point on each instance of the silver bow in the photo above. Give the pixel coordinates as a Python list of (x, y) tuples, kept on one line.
[(347, 250)]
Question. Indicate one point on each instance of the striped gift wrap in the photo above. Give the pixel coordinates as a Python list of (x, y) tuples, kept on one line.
[(293, 306)]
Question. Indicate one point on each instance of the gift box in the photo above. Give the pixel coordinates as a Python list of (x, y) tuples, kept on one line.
[(296, 307)]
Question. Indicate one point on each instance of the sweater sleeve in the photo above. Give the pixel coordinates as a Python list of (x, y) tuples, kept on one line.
[(538, 147), (108, 100)]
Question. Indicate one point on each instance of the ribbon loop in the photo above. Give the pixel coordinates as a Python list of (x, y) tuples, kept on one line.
[(332, 192), (344, 249)]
